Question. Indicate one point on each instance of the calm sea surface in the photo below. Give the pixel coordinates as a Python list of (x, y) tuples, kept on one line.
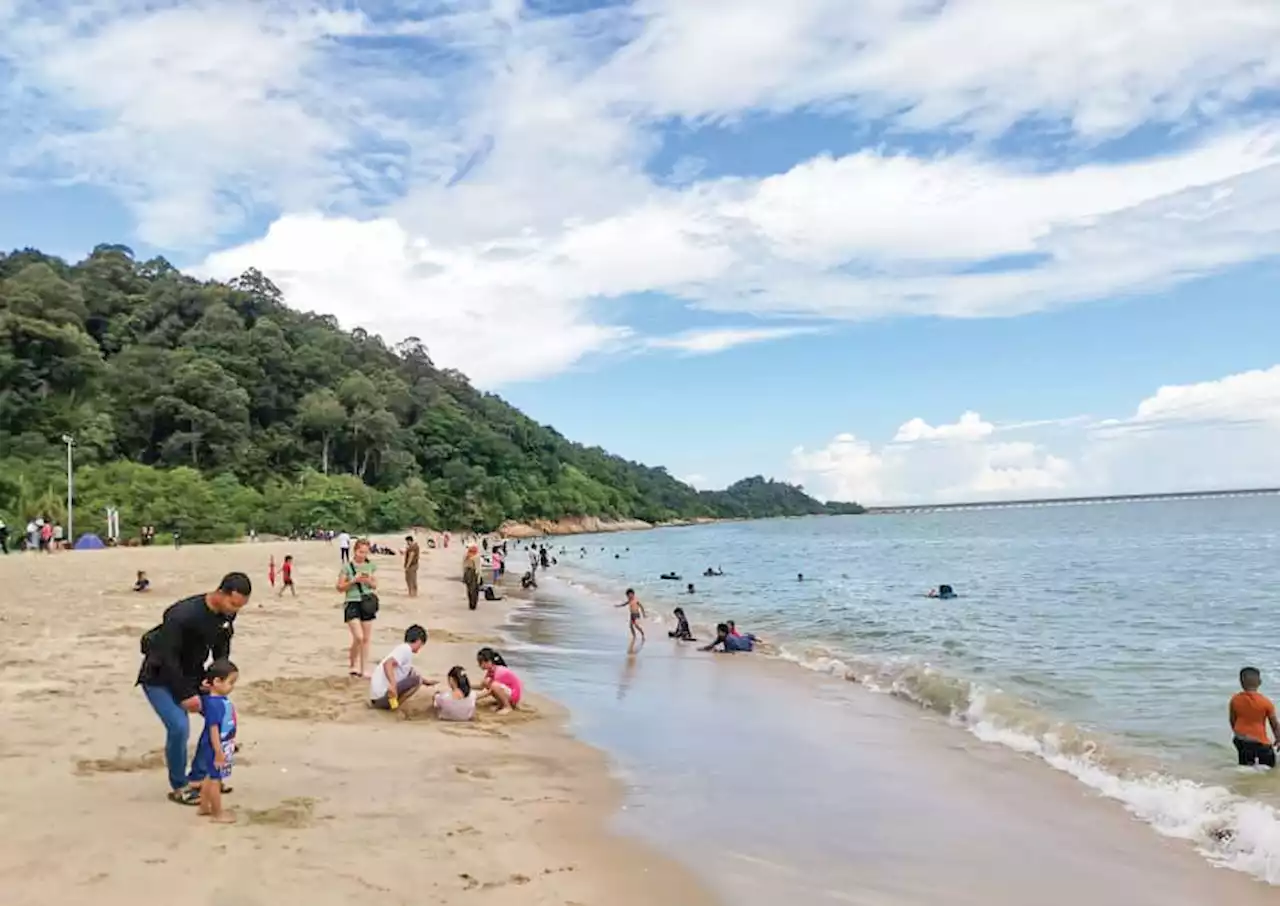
[(1104, 639)]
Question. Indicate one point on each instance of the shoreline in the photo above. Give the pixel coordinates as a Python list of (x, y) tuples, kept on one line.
[(928, 790), (329, 794)]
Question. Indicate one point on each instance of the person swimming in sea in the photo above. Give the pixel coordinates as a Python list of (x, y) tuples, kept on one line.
[(690, 590), (713, 572), (682, 632), (943, 593), (673, 577), (729, 641)]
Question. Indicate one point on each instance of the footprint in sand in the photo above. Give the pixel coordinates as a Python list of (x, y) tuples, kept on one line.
[(122, 763), (298, 812)]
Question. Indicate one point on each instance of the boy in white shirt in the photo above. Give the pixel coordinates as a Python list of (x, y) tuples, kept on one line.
[(395, 680)]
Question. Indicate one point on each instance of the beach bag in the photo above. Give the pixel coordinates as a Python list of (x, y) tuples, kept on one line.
[(368, 601)]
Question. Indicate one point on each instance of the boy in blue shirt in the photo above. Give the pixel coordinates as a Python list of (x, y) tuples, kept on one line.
[(216, 749)]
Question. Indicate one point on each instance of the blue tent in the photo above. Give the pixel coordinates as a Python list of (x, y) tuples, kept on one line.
[(89, 542)]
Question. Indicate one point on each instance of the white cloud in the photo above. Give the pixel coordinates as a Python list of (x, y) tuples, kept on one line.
[(1104, 66), (703, 342), (481, 320), (497, 165), (969, 427), (1212, 435)]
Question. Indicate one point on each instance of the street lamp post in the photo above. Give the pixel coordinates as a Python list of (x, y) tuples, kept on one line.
[(71, 494)]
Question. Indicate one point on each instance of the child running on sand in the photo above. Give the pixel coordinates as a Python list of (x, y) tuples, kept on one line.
[(215, 751), (637, 614), (143, 583), (271, 570), (1250, 712), (286, 577), (500, 681)]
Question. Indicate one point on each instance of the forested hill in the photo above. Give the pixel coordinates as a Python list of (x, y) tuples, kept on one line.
[(214, 407)]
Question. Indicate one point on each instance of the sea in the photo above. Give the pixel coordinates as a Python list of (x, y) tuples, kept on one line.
[(1095, 646)]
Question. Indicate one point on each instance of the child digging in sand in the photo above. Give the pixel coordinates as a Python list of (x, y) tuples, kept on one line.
[(500, 681), (216, 749)]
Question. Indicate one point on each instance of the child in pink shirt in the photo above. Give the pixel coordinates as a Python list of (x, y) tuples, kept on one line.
[(500, 681)]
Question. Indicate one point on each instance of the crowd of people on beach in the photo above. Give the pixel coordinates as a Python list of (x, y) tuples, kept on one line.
[(187, 669)]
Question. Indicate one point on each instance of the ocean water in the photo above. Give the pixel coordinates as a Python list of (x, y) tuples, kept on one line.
[(1103, 640)]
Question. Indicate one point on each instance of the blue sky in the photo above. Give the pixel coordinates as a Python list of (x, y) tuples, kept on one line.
[(897, 251)]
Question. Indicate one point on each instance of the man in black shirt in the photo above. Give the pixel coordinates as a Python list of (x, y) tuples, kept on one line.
[(173, 666)]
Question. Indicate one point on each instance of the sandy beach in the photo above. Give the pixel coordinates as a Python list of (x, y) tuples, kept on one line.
[(332, 798)]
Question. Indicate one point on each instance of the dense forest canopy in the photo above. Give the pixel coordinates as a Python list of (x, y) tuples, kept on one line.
[(213, 407)]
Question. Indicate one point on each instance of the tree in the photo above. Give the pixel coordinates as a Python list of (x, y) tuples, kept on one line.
[(209, 406), (322, 415)]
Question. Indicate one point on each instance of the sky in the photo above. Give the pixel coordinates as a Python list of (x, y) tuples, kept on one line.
[(898, 251)]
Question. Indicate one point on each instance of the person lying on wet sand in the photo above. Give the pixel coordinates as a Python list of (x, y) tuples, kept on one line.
[(729, 642)]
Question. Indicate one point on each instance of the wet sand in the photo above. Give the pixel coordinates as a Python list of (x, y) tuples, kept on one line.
[(786, 786), (334, 801)]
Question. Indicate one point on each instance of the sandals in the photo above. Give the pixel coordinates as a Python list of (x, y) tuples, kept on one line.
[(185, 797)]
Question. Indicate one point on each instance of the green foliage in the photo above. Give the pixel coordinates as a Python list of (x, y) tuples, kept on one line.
[(758, 498), (213, 408)]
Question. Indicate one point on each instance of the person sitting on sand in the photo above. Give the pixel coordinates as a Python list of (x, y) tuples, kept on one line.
[(1250, 712), (730, 643), (215, 751), (458, 702), (142, 583), (395, 680), (500, 681), (682, 632)]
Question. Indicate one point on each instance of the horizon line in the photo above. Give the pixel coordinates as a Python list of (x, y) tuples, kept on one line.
[(1099, 498)]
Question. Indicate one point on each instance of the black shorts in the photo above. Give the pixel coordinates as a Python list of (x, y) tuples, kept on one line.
[(1252, 753), (353, 610)]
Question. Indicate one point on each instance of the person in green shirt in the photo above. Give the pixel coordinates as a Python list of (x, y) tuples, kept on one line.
[(358, 583)]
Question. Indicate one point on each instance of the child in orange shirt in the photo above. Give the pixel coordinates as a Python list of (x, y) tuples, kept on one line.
[(1250, 713)]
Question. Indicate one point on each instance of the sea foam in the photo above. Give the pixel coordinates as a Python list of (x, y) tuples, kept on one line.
[(1230, 830)]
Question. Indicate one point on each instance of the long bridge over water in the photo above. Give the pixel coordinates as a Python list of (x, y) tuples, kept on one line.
[(1069, 501)]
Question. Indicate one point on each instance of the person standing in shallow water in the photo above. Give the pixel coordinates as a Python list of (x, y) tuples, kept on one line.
[(172, 675), (1250, 713)]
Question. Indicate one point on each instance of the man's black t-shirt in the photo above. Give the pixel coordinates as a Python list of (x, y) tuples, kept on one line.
[(178, 648)]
